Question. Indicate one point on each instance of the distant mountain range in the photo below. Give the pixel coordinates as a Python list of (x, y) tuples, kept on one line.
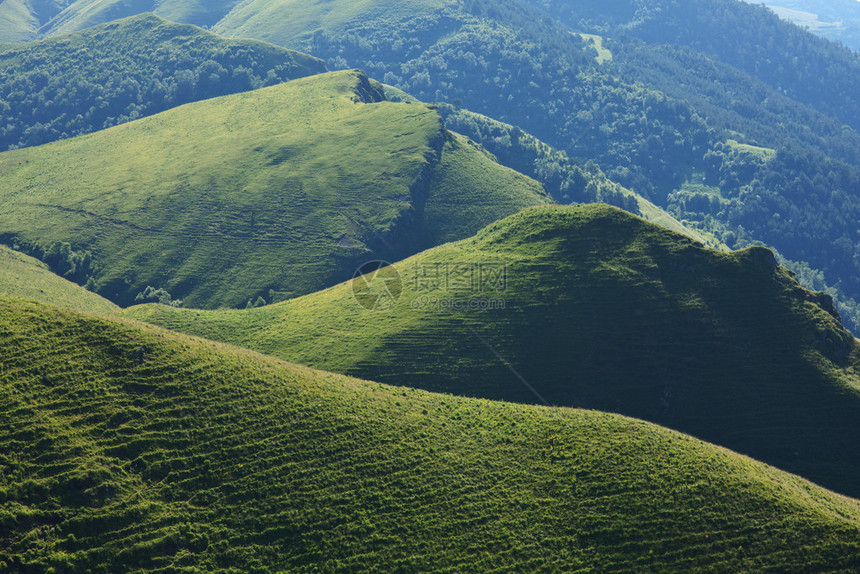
[(837, 20), (733, 121)]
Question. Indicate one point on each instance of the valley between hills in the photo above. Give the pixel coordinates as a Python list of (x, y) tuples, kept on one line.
[(427, 286)]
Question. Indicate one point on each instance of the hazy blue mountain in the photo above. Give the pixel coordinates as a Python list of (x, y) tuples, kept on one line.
[(837, 20)]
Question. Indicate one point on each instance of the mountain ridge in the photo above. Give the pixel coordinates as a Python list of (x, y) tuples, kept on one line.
[(597, 309), (230, 200)]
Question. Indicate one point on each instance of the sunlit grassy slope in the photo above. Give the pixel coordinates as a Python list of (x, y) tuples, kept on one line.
[(271, 193), (20, 19), (594, 308), (291, 22), (284, 21), (128, 448), (86, 13), (23, 276)]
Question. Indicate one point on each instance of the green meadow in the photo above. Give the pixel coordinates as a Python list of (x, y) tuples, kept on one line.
[(259, 316), (125, 447), (262, 195), (25, 277), (599, 309)]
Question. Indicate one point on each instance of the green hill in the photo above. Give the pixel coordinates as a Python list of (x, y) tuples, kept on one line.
[(23, 276), (82, 14), (111, 74), (287, 22), (128, 448), (684, 80), (267, 194), (590, 307)]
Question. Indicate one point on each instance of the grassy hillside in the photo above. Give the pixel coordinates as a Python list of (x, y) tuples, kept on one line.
[(267, 194), (16, 21), (289, 22), (23, 276), (124, 447), (684, 78), (87, 13), (20, 20), (111, 74), (591, 307)]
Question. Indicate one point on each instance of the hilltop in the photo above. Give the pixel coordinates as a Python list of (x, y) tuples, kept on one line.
[(114, 73), (258, 196), (656, 94), (124, 447), (590, 307)]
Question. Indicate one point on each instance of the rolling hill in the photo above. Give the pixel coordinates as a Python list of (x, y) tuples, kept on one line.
[(114, 73), (20, 20), (654, 93), (677, 82), (589, 307), (22, 276), (126, 447), (256, 196), (82, 14), (141, 65)]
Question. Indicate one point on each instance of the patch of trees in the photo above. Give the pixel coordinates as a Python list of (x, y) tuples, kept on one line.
[(567, 180), (547, 83), (61, 258), (160, 296), (109, 75)]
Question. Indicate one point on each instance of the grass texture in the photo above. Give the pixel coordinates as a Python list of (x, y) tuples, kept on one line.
[(597, 309), (272, 193), (24, 277), (128, 448)]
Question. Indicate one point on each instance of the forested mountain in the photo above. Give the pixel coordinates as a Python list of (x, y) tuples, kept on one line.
[(253, 197), (125, 70), (837, 20), (749, 38), (568, 180), (590, 307), (655, 100)]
